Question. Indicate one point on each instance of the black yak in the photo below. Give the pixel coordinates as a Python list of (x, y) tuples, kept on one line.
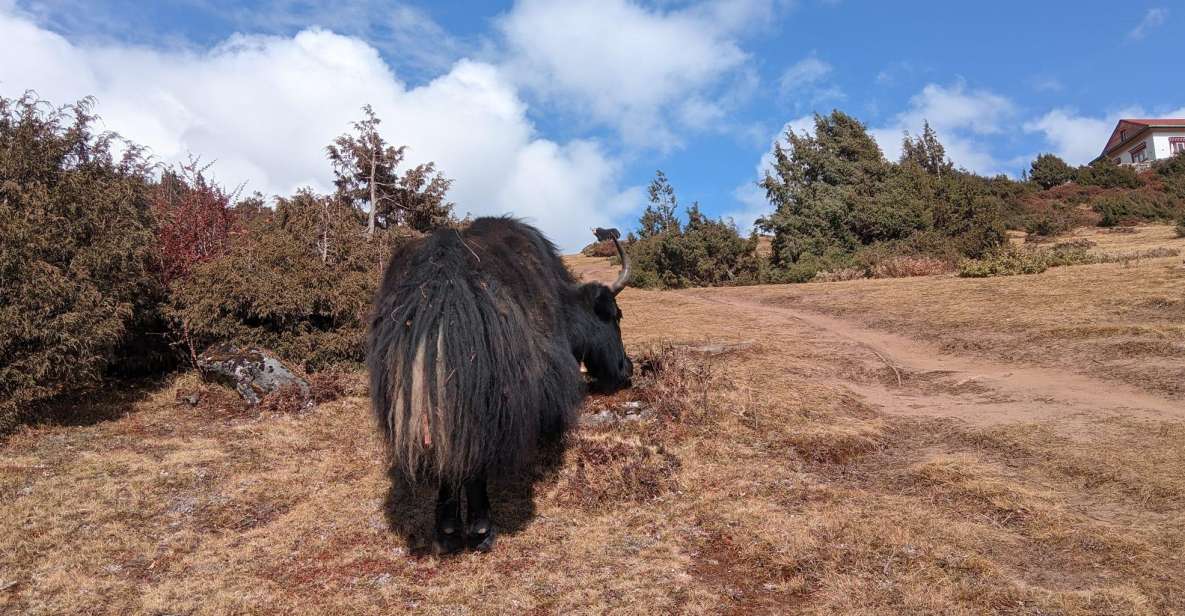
[(475, 348)]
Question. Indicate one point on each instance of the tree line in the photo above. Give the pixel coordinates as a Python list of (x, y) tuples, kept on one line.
[(114, 265), (839, 208)]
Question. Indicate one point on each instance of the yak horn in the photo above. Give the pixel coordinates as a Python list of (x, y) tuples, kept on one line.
[(624, 276)]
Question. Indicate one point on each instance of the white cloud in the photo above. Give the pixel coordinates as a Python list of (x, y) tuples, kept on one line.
[(891, 73), (805, 82), (1153, 18), (961, 117), (701, 113), (752, 204), (406, 34), (264, 107), (625, 65), (806, 72), (1077, 139), (736, 15), (411, 40), (1047, 84), (956, 107)]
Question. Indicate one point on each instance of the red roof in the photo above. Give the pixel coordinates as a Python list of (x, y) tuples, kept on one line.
[(1137, 126), (1156, 121)]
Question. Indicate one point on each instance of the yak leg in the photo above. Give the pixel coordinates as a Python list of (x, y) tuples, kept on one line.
[(448, 538), (480, 529)]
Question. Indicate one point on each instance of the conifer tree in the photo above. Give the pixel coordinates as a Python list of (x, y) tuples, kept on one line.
[(659, 217), (367, 178)]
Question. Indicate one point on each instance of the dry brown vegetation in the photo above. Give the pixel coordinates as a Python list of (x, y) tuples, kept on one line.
[(1123, 320), (771, 479)]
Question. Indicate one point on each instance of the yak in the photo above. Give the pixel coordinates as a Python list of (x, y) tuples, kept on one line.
[(475, 349)]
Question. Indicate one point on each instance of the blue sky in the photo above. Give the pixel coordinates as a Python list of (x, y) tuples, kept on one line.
[(561, 112)]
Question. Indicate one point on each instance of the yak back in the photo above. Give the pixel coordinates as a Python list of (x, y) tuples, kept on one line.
[(469, 358)]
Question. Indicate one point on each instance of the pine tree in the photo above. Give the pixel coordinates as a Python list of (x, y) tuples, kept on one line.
[(926, 152), (817, 183), (420, 198), (366, 167), (659, 217), (1048, 171)]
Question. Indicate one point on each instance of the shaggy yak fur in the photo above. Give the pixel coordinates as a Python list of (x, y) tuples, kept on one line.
[(475, 348)]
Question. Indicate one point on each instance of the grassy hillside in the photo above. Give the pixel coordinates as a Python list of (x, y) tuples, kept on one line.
[(812, 471)]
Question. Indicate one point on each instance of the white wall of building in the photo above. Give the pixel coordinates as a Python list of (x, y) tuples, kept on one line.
[(1160, 138)]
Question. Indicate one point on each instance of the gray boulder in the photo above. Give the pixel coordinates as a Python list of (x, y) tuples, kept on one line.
[(252, 372)]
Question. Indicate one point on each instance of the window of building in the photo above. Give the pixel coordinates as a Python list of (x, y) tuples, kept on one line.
[(1176, 145), (1123, 135), (1140, 154)]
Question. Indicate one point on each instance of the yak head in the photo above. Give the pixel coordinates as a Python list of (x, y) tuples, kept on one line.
[(596, 325)]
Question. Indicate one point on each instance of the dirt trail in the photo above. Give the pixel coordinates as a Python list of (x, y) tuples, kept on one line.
[(926, 381)]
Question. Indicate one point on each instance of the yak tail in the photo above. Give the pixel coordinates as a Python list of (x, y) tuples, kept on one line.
[(461, 381), (414, 393), (416, 409)]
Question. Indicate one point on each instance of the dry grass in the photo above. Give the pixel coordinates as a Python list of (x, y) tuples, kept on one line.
[(842, 274), (1119, 240), (905, 267), (893, 267), (757, 484), (1112, 320)]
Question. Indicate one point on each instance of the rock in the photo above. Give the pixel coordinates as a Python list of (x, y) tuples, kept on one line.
[(252, 372), (637, 415), (628, 411), (597, 419)]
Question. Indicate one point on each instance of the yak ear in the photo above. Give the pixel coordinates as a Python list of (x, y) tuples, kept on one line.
[(600, 299), (604, 303)]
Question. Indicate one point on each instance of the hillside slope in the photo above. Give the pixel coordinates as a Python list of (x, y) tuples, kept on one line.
[(930, 445)]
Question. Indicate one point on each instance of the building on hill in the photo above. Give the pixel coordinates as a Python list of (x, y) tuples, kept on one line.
[(1140, 142)]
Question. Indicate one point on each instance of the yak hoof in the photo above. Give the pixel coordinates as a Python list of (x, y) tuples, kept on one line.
[(448, 542), (481, 537)]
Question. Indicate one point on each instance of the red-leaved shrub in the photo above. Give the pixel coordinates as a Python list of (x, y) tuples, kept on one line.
[(194, 220)]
